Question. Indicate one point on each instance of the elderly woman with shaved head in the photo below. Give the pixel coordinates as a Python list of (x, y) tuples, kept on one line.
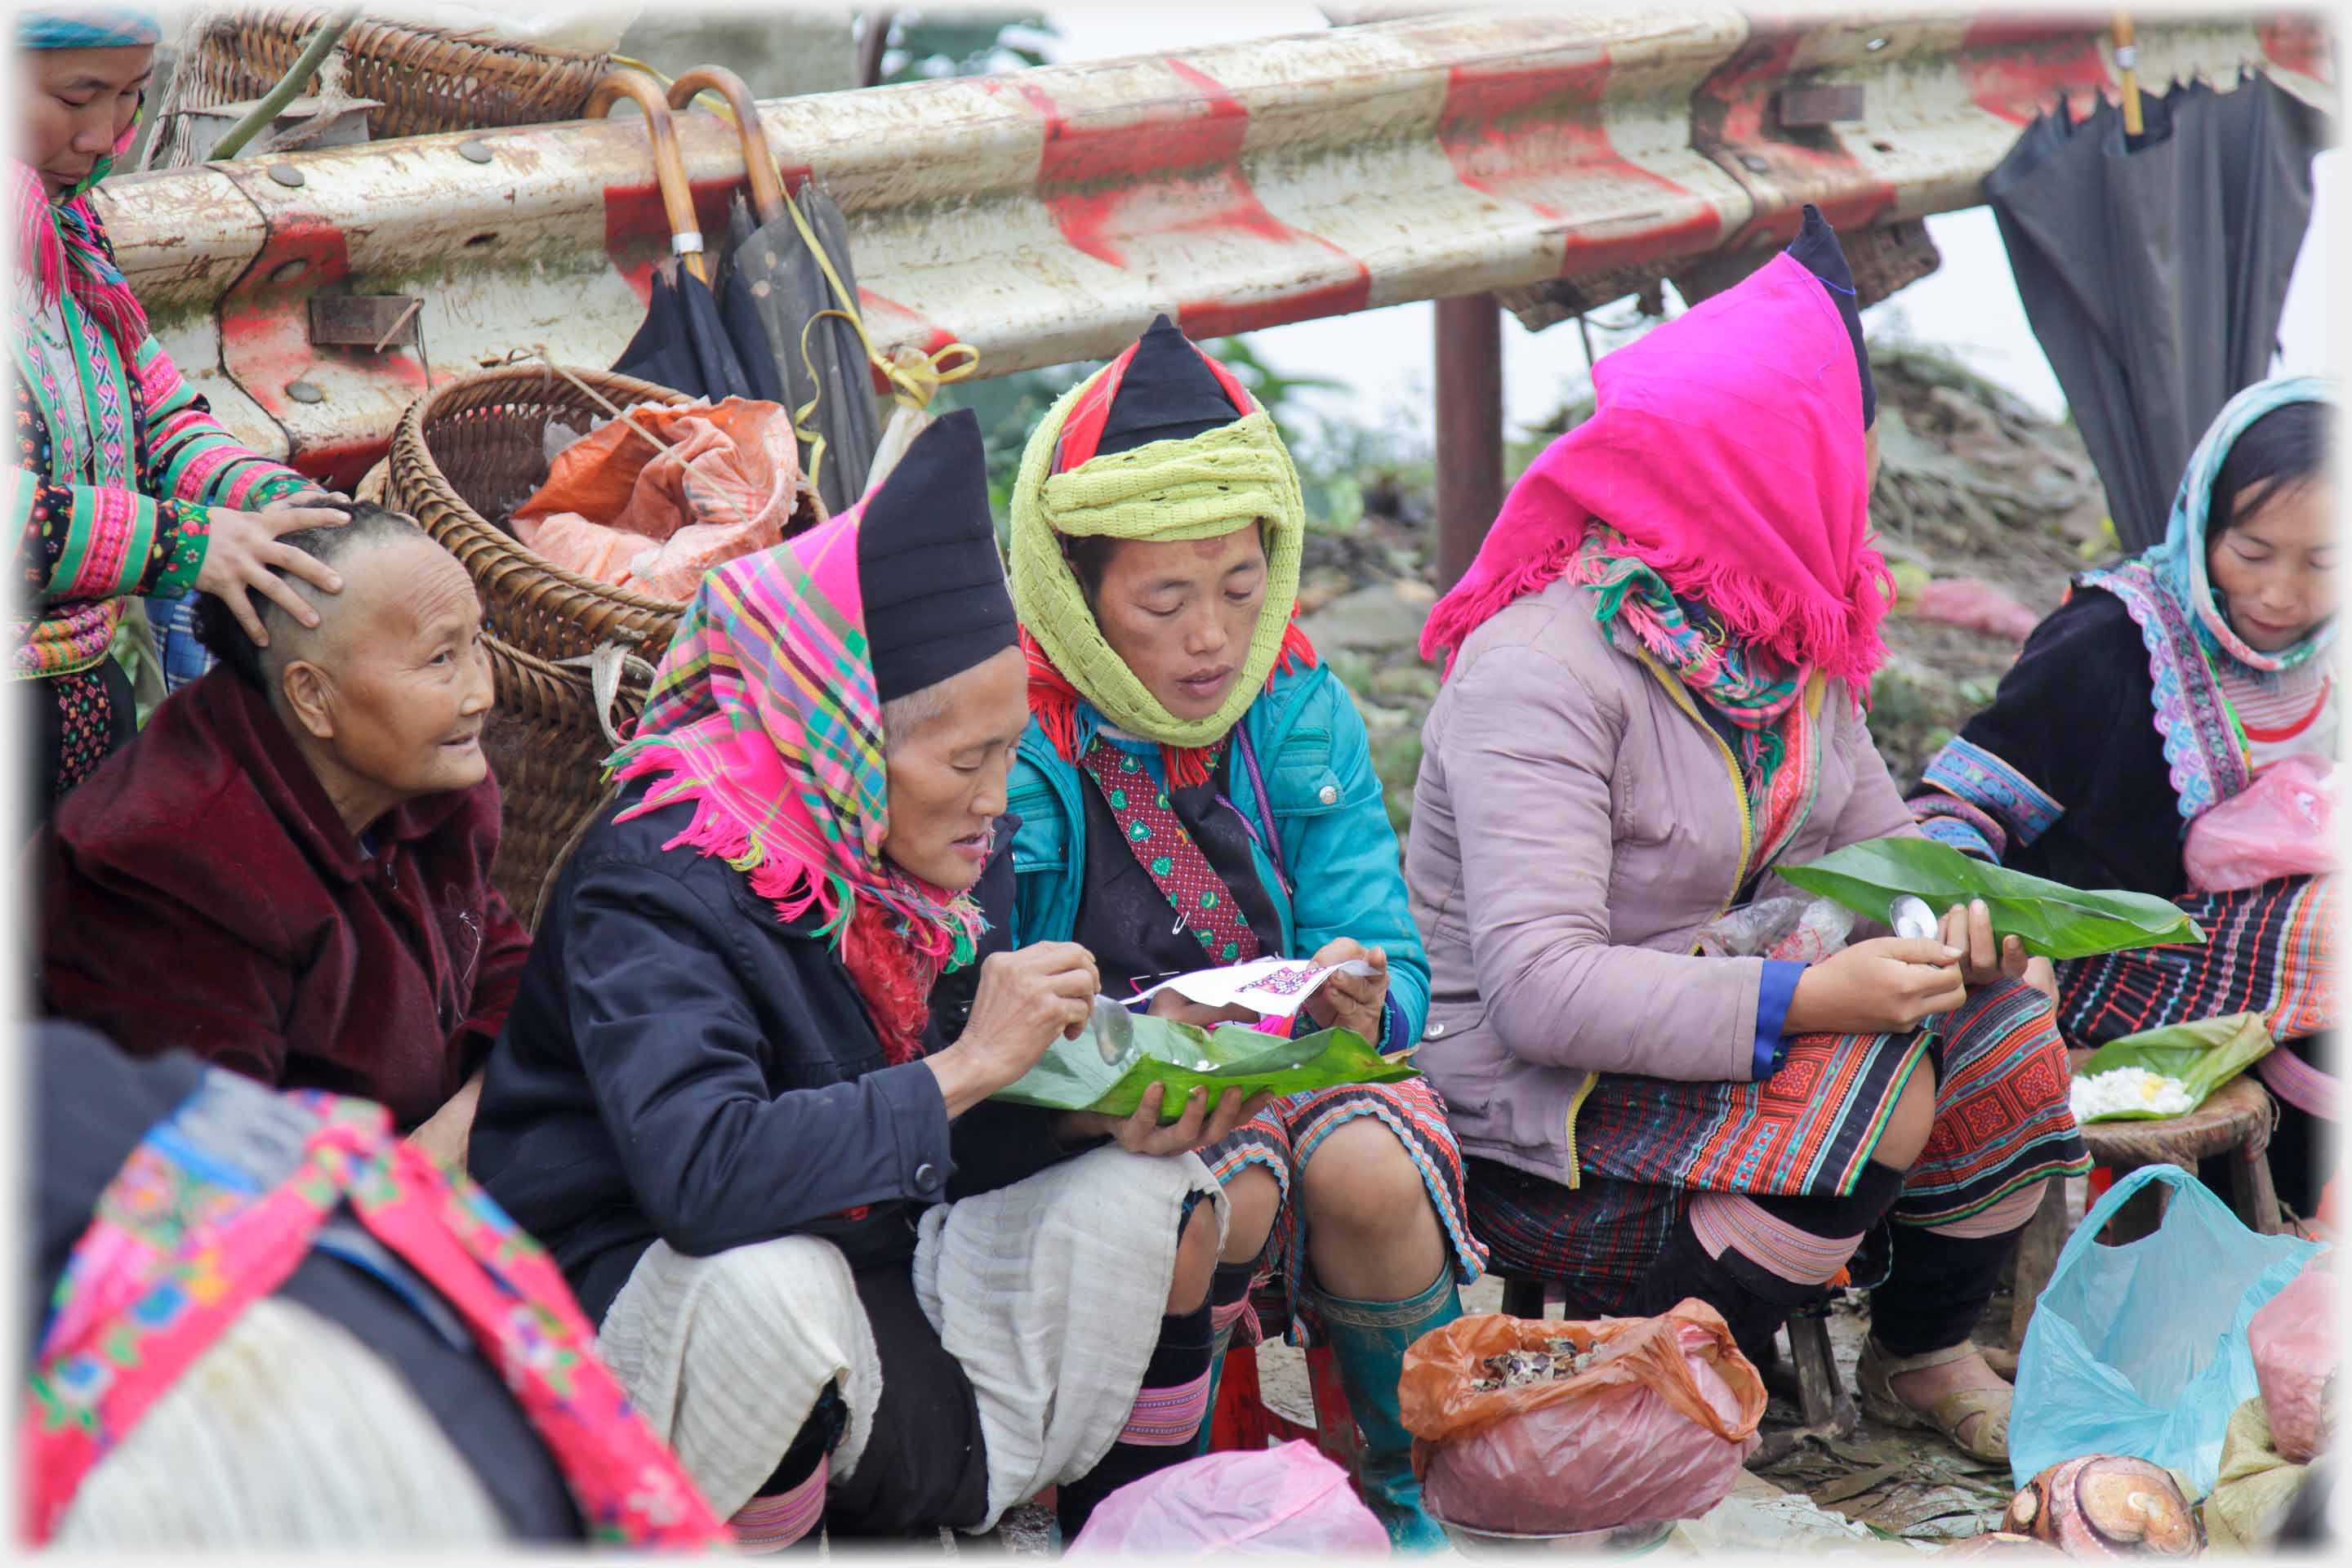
[(287, 872)]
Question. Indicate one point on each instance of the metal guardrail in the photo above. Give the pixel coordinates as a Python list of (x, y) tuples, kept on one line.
[(1042, 216)]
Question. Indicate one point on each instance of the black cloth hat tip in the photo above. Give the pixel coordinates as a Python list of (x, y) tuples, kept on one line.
[(1817, 246), (1168, 394), (928, 569)]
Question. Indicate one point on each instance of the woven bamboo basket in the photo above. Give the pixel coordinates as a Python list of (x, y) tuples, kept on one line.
[(547, 744), (469, 453), (428, 81)]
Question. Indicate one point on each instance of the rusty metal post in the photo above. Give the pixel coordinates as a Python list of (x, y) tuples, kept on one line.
[(1469, 429)]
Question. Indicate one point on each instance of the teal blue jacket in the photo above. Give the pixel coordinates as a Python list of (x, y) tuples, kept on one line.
[(1337, 844)]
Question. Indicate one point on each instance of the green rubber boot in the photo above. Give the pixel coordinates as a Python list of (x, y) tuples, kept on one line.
[(1368, 1339)]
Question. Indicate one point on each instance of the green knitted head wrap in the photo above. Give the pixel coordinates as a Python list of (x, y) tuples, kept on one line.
[(1163, 492)]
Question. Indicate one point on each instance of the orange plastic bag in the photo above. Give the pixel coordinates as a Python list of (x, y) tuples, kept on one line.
[(727, 482), (1655, 1429)]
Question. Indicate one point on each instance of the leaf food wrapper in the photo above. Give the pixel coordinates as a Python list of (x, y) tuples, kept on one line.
[(1121, 1054), (2202, 1056), (2053, 920)]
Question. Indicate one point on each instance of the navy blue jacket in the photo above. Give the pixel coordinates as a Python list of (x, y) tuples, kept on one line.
[(680, 1064)]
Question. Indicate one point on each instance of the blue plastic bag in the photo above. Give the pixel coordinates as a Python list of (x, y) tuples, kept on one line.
[(2141, 1350)]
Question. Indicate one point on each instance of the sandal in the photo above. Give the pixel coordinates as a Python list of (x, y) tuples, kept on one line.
[(1989, 1440)]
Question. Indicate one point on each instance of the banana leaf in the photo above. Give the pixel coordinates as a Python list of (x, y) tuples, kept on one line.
[(2052, 918), (2204, 1055), (1122, 1053)]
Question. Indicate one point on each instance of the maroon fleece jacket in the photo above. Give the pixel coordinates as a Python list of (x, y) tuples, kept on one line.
[(199, 891)]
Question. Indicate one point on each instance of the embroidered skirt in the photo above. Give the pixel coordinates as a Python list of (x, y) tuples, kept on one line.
[(78, 721), (2268, 950), (1284, 1138), (1641, 1144)]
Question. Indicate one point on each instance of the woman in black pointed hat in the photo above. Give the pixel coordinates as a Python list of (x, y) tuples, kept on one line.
[(742, 1095)]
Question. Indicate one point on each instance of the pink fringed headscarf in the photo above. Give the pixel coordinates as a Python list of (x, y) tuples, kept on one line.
[(1726, 447), (57, 248)]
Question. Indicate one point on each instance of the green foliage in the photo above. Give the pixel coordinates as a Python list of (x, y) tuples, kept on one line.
[(925, 45)]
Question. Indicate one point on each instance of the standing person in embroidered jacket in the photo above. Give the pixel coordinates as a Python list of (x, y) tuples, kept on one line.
[(122, 483), (741, 1106), (1195, 789), (2160, 689), (1657, 668), (287, 872)]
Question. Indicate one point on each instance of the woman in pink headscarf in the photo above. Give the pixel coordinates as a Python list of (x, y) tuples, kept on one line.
[(1655, 696)]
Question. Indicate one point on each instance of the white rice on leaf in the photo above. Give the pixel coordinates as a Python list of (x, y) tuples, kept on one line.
[(2128, 1088)]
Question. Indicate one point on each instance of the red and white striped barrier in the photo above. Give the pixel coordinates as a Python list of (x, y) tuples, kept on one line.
[(1042, 216)]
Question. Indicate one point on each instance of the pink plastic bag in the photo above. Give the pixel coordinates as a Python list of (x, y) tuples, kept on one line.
[(1978, 605), (2278, 826), (1656, 1428), (2296, 1352), (1266, 1502)]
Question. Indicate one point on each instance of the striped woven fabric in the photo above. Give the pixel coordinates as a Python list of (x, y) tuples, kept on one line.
[(2268, 950), (1284, 1138), (1167, 1418), (764, 714), (2002, 1116)]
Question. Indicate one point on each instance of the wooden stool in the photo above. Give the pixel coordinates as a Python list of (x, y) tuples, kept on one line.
[(1827, 1405), (2236, 1118)]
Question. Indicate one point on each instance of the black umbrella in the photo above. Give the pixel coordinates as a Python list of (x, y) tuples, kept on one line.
[(684, 343), (688, 345), (774, 288), (2154, 268)]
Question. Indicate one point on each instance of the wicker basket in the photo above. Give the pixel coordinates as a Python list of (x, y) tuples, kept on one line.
[(547, 745), (468, 453), (427, 80), (471, 452)]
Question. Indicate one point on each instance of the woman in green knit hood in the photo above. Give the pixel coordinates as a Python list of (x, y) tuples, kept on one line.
[(1195, 789)]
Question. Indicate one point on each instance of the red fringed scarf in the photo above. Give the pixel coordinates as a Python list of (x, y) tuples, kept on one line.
[(1054, 703), (893, 978)]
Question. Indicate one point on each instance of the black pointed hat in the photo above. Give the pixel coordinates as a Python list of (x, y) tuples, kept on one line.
[(1817, 246), (928, 569), (1167, 393)]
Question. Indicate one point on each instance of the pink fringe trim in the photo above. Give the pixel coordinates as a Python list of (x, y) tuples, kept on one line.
[(1842, 641), (792, 886)]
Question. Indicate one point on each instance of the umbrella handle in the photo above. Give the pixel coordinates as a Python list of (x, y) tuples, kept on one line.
[(2127, 68), (767, 189), (669, 163)]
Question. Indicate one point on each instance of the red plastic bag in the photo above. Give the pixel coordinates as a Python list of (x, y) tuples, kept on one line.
[(1655, 1429), (2277, 827), (2296, 1352), (1255, 1502)]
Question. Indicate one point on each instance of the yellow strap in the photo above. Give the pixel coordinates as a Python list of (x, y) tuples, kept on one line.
[(914, 377)]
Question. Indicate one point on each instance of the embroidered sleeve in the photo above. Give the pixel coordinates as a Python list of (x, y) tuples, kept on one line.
[(189, 456), (1980, 805), (89, 543)]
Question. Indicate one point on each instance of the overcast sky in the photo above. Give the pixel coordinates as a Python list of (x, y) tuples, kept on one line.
[(1969, 308)]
